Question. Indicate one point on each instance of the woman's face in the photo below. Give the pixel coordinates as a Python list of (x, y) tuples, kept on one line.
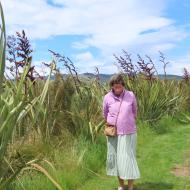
[(117, 88)]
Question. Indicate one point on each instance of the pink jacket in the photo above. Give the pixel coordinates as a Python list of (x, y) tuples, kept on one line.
[(126, 122)]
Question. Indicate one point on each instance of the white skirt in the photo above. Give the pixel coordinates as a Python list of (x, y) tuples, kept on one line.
[(121, 156)]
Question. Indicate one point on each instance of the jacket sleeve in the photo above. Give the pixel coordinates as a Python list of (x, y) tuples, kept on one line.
[(105, 108), (134, 105)]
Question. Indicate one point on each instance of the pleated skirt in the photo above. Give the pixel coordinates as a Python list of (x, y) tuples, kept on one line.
[(121, 156)]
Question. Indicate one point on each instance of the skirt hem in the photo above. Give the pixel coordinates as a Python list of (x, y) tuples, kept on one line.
[(121, 177)]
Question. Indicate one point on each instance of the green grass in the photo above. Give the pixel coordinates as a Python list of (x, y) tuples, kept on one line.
[(157, 153)]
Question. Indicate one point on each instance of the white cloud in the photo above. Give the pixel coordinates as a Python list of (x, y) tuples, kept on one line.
[(86, 61), (108, 24), (177, 66), (86, 56)]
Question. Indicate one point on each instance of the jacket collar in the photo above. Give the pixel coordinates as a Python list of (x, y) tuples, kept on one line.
[(117, 97)]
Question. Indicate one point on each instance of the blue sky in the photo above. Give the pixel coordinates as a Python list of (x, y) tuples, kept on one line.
[(89, 32)]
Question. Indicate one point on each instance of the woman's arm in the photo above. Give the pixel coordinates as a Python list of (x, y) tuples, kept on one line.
[(134, 106), (105, 108)]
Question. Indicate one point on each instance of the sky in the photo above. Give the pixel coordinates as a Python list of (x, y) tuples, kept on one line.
[(89, 32)]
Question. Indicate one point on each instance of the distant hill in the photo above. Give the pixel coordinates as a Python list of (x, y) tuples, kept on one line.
[(171, 77), (106, 77)]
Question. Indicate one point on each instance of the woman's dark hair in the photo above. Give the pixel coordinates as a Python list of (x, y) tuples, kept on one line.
[(116, 79)]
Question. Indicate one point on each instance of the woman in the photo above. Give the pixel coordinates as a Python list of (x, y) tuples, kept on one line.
[(121, 149)]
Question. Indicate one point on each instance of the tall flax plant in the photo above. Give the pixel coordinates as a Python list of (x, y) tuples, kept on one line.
[(184, 115), (2, 48), (13, 105), (46, 118), (36, 116), (85, 112), (155, 98)]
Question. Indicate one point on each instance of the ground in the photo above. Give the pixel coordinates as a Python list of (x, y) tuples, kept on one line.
[(164, 162)]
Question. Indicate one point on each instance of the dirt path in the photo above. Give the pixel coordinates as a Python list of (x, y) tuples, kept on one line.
[(182, 170)]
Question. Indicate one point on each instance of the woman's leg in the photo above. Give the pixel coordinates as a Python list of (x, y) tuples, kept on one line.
[(130, 184), (121, 182)]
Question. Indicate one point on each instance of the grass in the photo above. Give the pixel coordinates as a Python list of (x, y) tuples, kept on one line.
[(157, 153), (75, 163)]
